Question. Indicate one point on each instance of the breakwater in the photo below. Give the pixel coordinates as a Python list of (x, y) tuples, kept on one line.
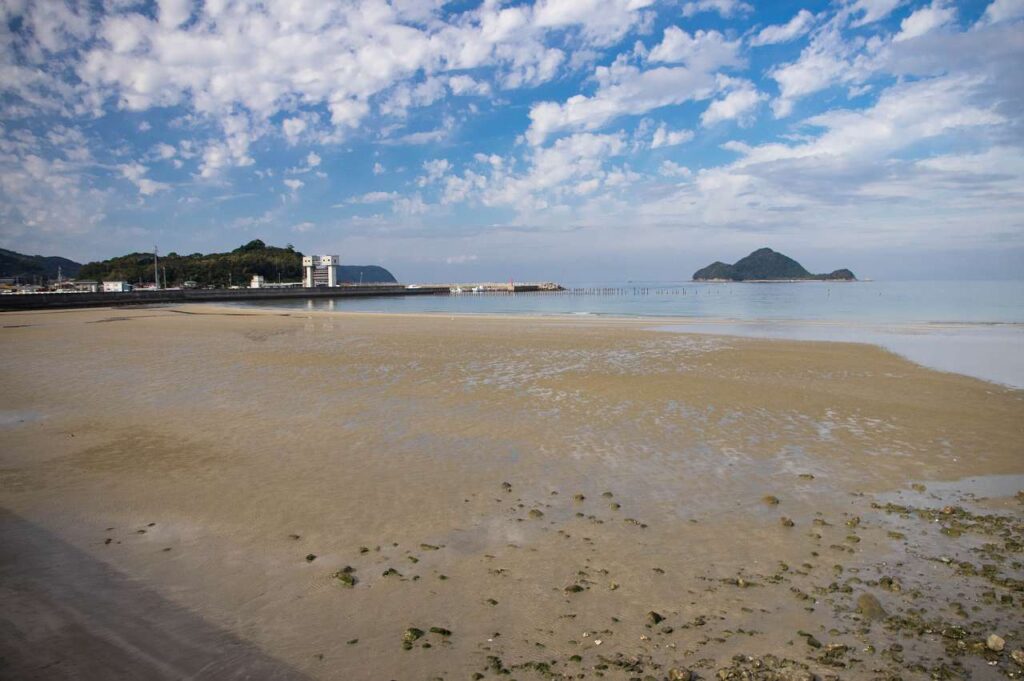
[(45, 301)]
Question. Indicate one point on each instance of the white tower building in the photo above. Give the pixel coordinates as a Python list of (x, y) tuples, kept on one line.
[(320, 270)]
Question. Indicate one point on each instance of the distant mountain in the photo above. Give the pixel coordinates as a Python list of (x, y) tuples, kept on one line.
[(765, 264), (366, 274), (223, 269), (28, 267)]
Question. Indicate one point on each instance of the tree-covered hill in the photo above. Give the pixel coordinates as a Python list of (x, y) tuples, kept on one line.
[(765, 265), (29, 267), (222, 269)]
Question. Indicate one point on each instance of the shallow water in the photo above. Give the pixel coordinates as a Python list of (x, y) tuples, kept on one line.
[(974, 328), (863, 301), (992, 352)]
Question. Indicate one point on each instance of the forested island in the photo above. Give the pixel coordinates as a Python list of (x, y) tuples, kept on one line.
[(223, 269), (765, 264)]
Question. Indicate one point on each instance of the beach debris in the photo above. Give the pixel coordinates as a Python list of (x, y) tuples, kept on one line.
[(364, 549), (770, 499), (806, 476), (441, 631), (809, 638), (345, 576), (536, 513), (310, 557), (294, 537), (1018, 656), (411, 635), (507, 486), (655, 617), (995, 643), (574, 589), (870, 607), (607, 495), (429, 547), (578, 497), (491, 601), (786, 522), (392, 572), (678, 674), (614, 506)]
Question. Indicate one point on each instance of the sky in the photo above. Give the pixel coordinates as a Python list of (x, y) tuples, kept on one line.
[(566, 140)]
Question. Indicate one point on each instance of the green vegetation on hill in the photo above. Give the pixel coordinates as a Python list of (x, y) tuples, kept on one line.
[(222, 269), (29, 267), (765, 265)]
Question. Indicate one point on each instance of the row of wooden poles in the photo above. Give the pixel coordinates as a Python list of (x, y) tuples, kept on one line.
[(602, 291)]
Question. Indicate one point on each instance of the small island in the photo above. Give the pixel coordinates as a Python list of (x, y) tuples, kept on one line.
[(765, 264)]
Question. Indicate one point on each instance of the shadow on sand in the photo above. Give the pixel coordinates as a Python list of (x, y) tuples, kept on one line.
[(66, 615)]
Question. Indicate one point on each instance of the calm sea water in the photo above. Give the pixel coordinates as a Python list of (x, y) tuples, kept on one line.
[(901, 302), (971, 327)]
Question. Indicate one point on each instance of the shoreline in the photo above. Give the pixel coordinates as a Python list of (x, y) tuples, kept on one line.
[(1002, 365), (941, 346)]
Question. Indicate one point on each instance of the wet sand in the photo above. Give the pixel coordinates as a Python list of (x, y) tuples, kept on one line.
[(193, 490)]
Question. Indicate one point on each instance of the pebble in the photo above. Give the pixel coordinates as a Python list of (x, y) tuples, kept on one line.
[(869, 606), (995, 642)]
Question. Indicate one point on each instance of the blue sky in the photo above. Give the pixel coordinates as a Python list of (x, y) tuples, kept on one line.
[(561, 139)]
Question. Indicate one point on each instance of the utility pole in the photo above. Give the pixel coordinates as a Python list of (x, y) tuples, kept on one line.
[(156, 268)]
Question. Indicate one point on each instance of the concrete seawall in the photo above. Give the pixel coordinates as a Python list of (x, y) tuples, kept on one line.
[(44, 301)]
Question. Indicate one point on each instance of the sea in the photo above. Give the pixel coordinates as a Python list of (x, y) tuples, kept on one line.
[(970, 327)]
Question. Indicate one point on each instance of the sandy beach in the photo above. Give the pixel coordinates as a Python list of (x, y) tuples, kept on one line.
[(209, 493)]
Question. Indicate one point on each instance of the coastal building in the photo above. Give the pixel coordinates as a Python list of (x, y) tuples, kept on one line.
[(116, 287), (85, 286), (257, 281), (320, 270)]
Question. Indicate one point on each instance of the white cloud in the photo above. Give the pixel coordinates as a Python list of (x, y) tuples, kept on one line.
[(1003, 10), (434, 171), (303, 227), (736, 105), (378, 168), (293, 129), (460, 259), (824, 62), (625, 89), (603, 21), (704, 50), (165, 151), (465, 85), (873, 10), (671, 169), (173, 13), (726, 8), (294, 185), (136, 174), (926, 20), (663, 137), (372, 197), (783, 33)]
